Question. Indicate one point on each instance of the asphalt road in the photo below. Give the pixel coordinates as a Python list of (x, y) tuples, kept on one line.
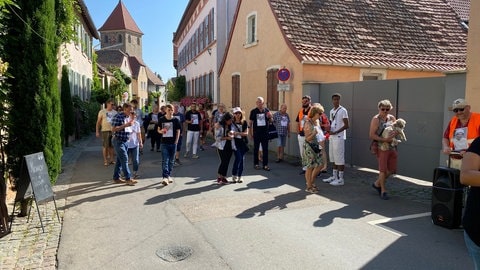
[(267, 222)]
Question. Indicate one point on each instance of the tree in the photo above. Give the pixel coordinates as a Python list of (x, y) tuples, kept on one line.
[(176, 89), (68, 120), (34, 33), (119, 82)]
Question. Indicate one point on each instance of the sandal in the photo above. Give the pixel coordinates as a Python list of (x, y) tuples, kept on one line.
[(257, 167), (311, 190), (105, 163), (266, 168)]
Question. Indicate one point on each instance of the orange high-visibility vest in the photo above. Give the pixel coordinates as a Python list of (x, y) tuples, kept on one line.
[(473, 128), (300, 117)]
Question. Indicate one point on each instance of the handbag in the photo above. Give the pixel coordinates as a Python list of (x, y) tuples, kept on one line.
[(374, 144), (374, 147), (315, 147), (272, 132), (151, 127)]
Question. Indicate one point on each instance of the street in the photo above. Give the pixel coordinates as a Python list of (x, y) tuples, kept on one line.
[(267, 222)]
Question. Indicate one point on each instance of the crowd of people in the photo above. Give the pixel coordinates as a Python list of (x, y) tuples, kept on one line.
[(124, 132)]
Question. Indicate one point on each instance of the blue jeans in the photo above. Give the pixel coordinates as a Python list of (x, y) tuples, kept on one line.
[(238, 162), (133, 153), (473, 250), (168, 158), (121, 150)]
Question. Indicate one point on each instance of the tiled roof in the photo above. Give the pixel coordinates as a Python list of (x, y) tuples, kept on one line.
[(135, 65), (108, 58), (400, 34), (152, 78), (120, 19), (462, 8)]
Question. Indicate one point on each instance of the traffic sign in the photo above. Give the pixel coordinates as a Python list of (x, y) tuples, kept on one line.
[(283, 74)]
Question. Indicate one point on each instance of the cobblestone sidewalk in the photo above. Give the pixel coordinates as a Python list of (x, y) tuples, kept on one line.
[(27, 246)]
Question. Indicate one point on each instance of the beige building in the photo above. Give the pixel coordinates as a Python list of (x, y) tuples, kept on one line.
[(473, 58), (77, 55), (199, 45), (333, 42)]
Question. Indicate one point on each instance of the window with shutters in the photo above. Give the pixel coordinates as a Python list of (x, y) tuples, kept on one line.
[(236, 90), (272, 93)]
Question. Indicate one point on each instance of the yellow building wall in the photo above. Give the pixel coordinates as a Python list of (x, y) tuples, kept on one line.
[(472, 91), (252, 63), (271, 50)]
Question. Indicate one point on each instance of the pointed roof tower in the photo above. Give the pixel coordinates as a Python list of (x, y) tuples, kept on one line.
[(120, 19)]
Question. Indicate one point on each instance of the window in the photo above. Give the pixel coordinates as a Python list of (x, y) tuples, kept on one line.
[(372, 74), (138, 41), (129, 39), (105, 39), (119, 38), (236, 90), (211, 84), (211, 30), (272, 93), (252, 29)]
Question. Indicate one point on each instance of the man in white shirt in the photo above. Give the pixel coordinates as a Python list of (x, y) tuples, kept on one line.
[(338, 135)]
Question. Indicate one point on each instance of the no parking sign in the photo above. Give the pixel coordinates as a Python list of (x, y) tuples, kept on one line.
[(283, 74)]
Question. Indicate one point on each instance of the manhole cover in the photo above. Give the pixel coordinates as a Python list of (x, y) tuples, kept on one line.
[(174, 254)]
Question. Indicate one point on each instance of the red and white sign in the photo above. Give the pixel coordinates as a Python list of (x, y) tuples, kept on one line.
[(283, 74)]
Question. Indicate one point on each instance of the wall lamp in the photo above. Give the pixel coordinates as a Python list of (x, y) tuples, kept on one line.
[(209, 50), (195, 61)]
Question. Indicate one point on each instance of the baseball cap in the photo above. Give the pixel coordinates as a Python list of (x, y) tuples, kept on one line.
[(459, 103), (236, 109)]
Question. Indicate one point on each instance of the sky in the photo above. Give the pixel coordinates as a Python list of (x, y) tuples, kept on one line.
[(157, 19)]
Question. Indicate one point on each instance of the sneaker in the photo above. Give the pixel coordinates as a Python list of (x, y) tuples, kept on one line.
[(330, 179), (234, 179), (222, 181), (195, 156), (119, 181), (177, 162), (130, 182), (186, 154), (201, 148), (337, 182), (165, 181), (384, 196), (239, 179), (170, 180)]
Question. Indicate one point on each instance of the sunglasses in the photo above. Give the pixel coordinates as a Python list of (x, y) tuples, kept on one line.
[(385, 109), (458, 110)]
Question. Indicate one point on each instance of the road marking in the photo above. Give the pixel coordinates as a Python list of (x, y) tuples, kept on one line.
[(379, 222)]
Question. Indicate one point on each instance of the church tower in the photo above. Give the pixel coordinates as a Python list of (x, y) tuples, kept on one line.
[(121, 32)]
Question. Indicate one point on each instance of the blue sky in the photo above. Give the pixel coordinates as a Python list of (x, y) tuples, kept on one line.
[(157, 19)]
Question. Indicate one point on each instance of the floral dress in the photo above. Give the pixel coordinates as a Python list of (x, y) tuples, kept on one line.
[(310, 159)]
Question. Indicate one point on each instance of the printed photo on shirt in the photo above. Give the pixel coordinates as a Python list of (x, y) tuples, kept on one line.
[(261, 120), (169, 128), (460, 139)]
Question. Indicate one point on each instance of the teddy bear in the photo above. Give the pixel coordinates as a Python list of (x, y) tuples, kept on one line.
[(398, 125)]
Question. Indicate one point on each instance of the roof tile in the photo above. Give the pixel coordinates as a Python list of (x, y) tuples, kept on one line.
[(405, 34)]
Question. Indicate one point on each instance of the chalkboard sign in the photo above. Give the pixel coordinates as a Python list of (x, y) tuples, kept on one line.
[(34, 179)]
